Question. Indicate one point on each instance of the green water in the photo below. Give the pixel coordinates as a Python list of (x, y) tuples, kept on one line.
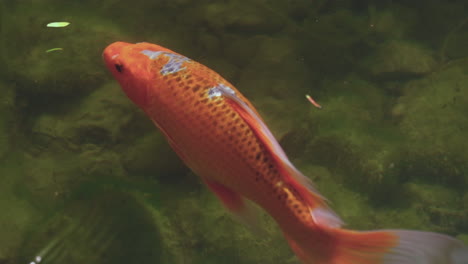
[(86, 178)]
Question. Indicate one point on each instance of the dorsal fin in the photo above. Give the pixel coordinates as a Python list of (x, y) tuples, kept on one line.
[(320, 211)]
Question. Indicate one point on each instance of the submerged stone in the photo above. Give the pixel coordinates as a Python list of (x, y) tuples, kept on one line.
[(400, 59)]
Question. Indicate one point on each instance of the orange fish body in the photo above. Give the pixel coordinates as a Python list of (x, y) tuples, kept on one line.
[(221, 137)]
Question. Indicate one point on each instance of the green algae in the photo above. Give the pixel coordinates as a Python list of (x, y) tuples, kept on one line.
[(388, 149), (108, 226)]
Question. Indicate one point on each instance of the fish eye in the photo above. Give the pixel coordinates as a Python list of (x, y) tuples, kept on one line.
[(119, 67)]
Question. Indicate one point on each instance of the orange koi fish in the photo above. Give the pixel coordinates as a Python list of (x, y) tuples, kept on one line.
[(218, 133)]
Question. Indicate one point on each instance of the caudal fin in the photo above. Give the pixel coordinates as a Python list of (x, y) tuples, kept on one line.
[(386, 247)]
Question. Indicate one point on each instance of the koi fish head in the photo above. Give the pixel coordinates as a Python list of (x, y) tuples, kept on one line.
[(137, 67)]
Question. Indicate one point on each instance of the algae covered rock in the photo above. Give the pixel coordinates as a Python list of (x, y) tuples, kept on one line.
[(433, 118), (441, 206), (99, 119), (151, 156), (400, 59), (109, 226), (242, 50), (67, 147), (390, 22), (236, 16), (348, 136), (275, 79), (7, 114), (332, 43), (202, 231), (75, 70), (18, 214)]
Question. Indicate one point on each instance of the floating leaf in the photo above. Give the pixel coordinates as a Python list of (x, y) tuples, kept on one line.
[(54, 49), (58, 24)]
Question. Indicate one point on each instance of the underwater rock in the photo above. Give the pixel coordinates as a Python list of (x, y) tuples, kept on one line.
[(7, 126), (390, 22), (17, 214), (432, 114), (67, 147), (47, 179), (203, 232), (441, 25), (99, 226), (276, 79), (241, 50), (456, 43), (400, 59), (97, 161), (349, 137), (98, 119), (441, 206), (71, 72), (432, 195), (332, 43), (239, 17), (151, 156), (15, 220)]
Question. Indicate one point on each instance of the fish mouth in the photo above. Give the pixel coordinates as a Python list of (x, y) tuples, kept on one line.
[(112, 51)]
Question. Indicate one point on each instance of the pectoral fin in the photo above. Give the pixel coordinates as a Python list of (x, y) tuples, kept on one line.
[(235, 203)]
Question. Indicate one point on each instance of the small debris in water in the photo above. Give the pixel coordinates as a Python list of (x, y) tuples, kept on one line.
[(312, 101)]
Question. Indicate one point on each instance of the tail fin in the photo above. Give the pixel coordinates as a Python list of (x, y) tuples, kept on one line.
[(386, 247)]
